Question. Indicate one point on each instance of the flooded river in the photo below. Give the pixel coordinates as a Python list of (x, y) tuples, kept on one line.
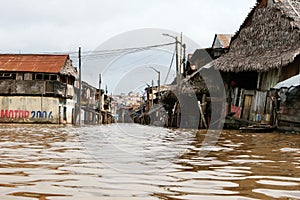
[(129, 161)]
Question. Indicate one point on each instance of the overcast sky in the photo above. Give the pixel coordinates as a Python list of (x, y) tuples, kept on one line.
[(63, 25), (45, 26)]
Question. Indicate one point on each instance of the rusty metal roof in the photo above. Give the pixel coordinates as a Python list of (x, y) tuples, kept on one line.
[(222, 40), (46, 63), (225, 39)]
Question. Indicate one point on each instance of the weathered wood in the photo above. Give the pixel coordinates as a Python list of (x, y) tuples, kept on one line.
[(202, 106), (259, 102), (203, 121), (289, 118), (247, 106), (257, 129), (289, 129), (235, 123), (178, 115)]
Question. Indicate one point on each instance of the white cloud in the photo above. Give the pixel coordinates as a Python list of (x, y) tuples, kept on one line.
[(35, 26), (63, 25)]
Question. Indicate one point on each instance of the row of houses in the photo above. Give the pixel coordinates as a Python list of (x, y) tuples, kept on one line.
[(259, 66), (124, 105), (43, 88), (264, 52)]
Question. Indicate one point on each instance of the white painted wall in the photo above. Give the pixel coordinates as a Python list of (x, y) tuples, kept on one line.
[(29, 109), (70, 104)]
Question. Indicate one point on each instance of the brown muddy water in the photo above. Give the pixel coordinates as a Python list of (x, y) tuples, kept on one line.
[(129, 161)]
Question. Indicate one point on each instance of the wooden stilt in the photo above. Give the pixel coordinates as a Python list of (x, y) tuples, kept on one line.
[(202, 117)]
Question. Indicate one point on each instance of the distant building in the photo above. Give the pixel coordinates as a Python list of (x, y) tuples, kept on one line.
[(123, 106), (93, 101), (89, 104), (37, 88)]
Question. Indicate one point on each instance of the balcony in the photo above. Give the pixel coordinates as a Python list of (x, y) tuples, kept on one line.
[(36, 87)]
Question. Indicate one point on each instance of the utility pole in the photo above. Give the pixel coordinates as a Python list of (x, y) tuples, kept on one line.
[(158, 81), (180, 68), (152, 92), (180, 63), (177, 65), (158, 85), (79, 92), (148, 99), (100, 100), (184, 59)]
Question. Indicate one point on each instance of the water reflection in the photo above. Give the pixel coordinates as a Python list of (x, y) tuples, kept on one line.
[(125, 161)]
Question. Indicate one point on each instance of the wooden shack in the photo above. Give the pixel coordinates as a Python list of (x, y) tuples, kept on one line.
[(192, 108), (288, 95), (264, 51)]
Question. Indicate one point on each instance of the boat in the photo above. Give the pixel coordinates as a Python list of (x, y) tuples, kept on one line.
[(259, 128)]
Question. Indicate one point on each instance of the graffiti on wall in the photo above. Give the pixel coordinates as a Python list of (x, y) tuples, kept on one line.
[(26, 114)]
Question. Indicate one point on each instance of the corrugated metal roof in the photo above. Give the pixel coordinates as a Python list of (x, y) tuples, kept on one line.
[(288, 83), (46, 63)]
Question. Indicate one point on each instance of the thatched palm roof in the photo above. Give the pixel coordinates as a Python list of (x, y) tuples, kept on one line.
[(269, 38)]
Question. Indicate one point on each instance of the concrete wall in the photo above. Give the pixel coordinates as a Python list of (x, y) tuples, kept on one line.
[(70, 110), (29, 109)]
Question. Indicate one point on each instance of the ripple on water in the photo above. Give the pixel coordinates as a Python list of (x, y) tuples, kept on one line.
[(128, 161)]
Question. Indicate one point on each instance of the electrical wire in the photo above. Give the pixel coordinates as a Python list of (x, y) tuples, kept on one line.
[(94, 54), (172, 60)]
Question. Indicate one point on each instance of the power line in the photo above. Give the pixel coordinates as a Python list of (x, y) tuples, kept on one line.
[(95, 54), (114, 52), (96, 51), (131, 48), (146, 59)]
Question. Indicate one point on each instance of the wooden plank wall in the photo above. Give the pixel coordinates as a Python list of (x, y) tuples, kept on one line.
[(289, 113)]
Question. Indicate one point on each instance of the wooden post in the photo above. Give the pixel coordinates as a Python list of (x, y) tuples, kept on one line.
[(177, 66), (229, 98), (180, 57), (203, 110), (178, 115), (203, 121), (152, 94), (148, 99), (173, 118), (100, 100), (79, 92)]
